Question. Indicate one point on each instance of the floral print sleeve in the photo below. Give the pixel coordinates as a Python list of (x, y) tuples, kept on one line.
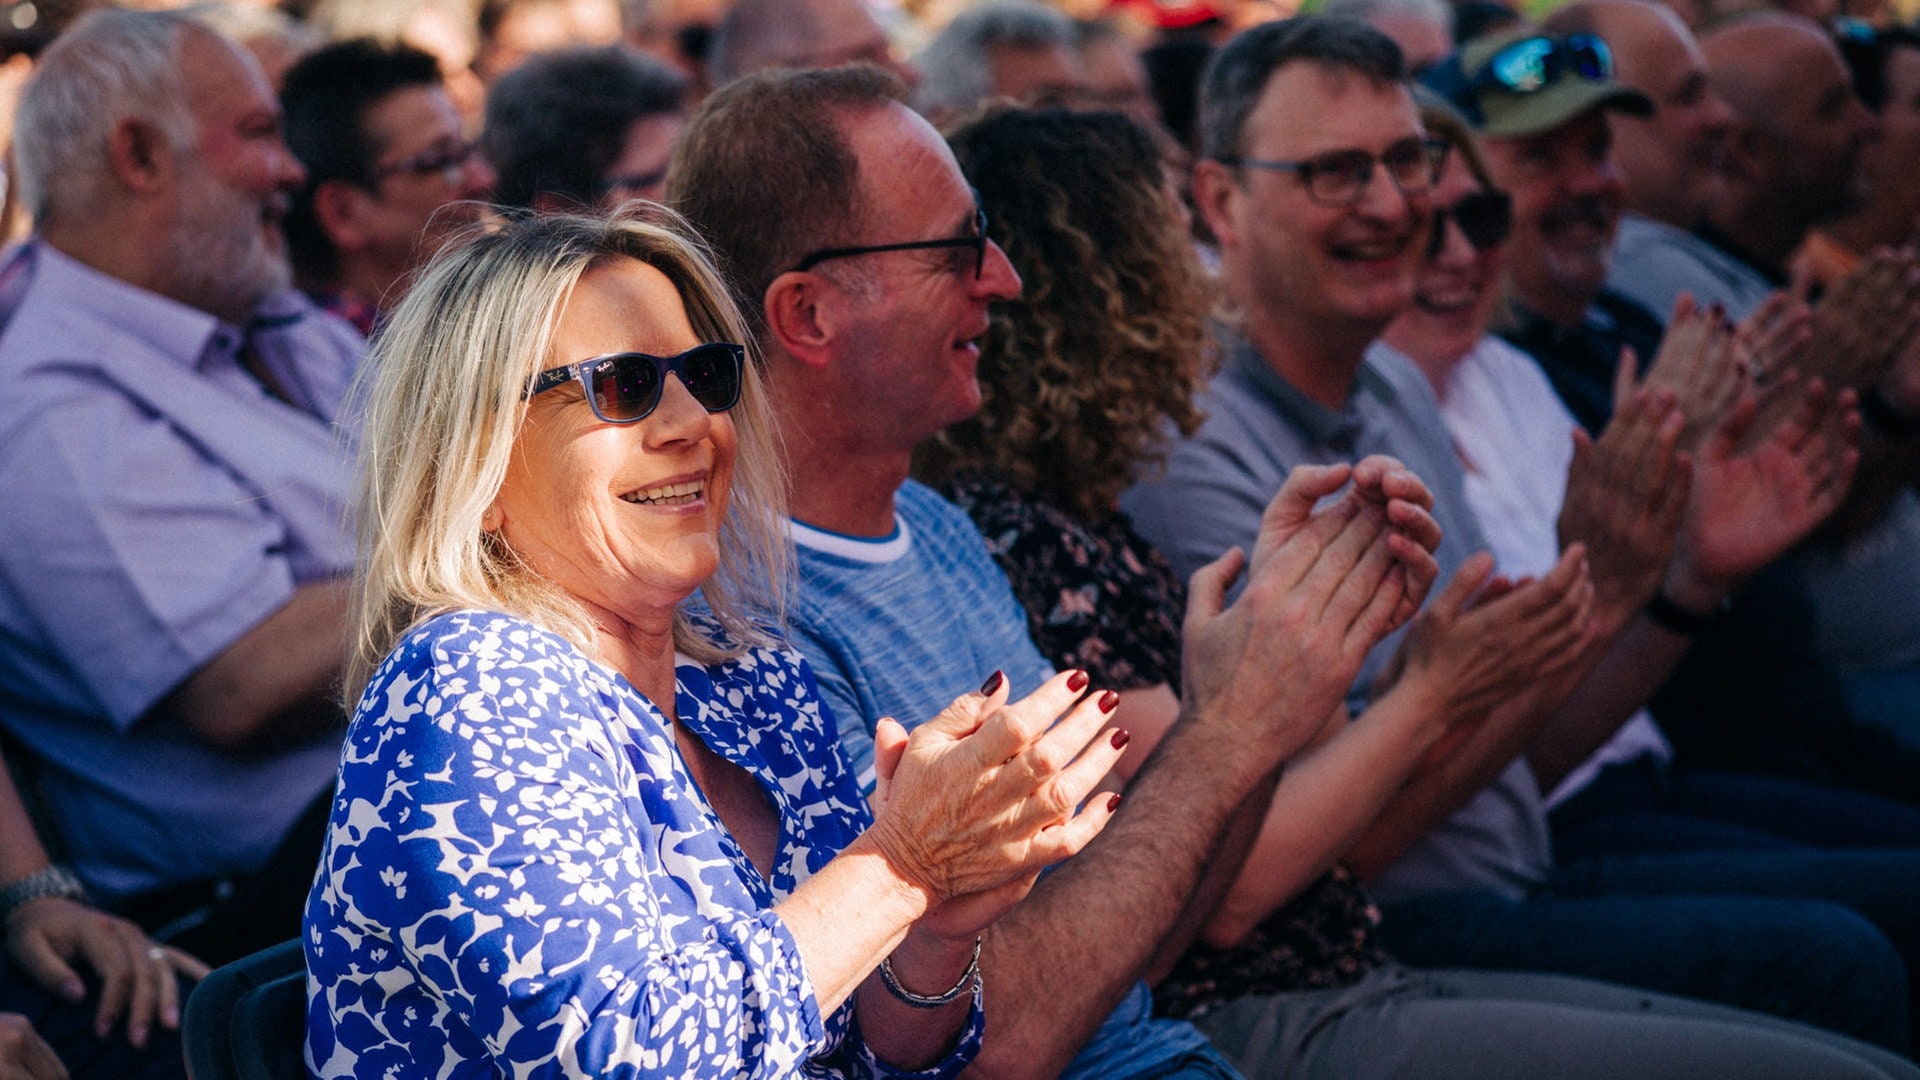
[(522, 878)]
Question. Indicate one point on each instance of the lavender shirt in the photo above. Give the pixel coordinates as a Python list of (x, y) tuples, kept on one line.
[(158, 505)]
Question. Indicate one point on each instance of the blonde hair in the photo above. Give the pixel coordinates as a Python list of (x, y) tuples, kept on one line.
[(442, 403)]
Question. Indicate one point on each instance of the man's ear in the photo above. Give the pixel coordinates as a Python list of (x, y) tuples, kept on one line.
[(140, 154), (1215, 190), (802, 315), (339, 207)]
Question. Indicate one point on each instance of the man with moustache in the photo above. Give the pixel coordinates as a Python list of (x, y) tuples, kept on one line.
[(390, 174), (173, 599), (1671, 164)]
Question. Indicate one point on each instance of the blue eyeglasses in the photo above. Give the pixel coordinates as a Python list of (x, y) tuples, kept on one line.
[(625, 388)]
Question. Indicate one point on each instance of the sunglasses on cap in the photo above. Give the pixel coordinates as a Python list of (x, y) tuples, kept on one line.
[(1532, 64), (625, 388), (1485, 218)]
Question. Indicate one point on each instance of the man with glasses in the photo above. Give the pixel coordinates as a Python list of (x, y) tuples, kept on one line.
[(860, 254), (1308, 182), (390, 173), (173, 602)]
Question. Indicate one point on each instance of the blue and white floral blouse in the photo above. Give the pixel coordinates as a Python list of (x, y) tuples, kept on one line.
[(522, 878)]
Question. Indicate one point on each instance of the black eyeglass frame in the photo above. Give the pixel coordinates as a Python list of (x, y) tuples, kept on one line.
[(977, 240), (1321, 164), (675, 365)]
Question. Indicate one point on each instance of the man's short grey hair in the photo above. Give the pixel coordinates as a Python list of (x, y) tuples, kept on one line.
[(109, 66), (956, 67), (1438, 12), (1239, 72)]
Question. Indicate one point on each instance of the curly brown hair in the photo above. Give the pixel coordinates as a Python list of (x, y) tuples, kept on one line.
[(1108, 339)]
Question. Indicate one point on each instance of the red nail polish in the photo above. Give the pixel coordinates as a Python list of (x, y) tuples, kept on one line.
[(1109, 701), (1113, 803), (1077, 681), (993, 683), (1120, 738)]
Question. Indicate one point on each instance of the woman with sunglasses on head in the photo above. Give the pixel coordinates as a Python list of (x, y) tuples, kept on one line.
[(1083, 378), (584, 827)]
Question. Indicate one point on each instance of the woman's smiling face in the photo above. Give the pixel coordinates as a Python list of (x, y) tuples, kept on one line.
[(1456, 289), (624, 517)]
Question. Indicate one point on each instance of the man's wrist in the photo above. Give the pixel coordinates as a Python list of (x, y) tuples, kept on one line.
[(53, 882)]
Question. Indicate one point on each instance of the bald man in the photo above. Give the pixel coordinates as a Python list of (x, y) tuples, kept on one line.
[(1792, 161), (757, 35)]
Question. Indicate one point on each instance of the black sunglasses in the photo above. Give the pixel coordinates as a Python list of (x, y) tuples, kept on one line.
[(625, 387), (975, 241), (1485, 218)]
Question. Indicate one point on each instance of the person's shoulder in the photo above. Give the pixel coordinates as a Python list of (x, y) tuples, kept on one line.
[(457, 649)]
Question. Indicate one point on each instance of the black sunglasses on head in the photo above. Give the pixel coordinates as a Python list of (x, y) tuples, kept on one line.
[(1485, 218), (624, 388)]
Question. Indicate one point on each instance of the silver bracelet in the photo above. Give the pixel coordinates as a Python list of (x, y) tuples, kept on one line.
[(922, 1001), (53, 881)]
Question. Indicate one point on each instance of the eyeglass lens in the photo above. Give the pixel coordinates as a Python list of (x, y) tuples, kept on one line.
[(1485, 218), (1342, 177), (627, 386)]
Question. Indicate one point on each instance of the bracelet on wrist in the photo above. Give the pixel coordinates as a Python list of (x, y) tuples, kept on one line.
[(1667, 615), (922, 1001), (53, 881), (1881, 413)]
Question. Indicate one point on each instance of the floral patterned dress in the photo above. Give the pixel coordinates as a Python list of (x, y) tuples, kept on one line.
[(1100, 598), (521, 876)]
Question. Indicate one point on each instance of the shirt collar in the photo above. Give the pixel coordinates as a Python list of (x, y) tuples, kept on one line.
[(185, 333), (1318, 423)]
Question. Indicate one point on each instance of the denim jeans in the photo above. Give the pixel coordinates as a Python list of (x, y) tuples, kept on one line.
[(1762, 897)]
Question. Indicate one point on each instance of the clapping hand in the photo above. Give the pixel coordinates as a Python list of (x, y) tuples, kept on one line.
[(977, 801)]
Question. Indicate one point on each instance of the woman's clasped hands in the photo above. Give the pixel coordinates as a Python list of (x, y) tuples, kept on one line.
[(977, 801)]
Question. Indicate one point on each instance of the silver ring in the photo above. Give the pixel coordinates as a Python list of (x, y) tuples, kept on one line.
[(155, 952)]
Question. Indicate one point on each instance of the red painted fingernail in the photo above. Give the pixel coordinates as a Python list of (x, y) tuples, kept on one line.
[(1109, 701), (1077, 681), (1113, 802), (993, 683), (1120, 738)]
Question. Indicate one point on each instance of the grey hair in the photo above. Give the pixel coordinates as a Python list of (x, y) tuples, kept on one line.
[(956, 71), (443, 400), (111, 65), (1240, 70)]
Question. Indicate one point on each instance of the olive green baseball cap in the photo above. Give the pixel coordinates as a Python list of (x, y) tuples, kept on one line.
[(1521, 81)]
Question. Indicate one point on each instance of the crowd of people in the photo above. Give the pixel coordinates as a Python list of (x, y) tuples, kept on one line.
[(1108, 540)]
